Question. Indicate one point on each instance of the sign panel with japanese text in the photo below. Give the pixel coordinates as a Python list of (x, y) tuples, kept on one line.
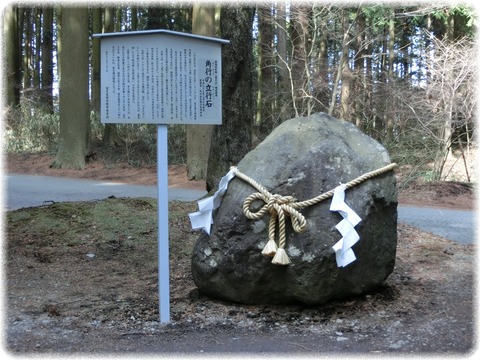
[(160, 78)]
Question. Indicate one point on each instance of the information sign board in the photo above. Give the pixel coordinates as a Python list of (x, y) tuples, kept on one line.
[(160, 77)]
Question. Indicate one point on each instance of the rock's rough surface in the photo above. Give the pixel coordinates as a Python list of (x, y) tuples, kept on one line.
[(303, 157)]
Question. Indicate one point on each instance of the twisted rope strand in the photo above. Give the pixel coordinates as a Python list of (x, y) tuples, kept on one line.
[(278, 206), (348, 185)]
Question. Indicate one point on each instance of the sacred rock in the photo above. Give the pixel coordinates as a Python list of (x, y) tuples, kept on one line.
[(303, 157)]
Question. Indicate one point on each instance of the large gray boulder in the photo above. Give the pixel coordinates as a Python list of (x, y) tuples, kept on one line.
[(303, 157)]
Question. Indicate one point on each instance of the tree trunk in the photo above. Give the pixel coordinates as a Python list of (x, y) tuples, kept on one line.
[(448, 127), (108, 19), (47, 58), (338, 77), (266, 83), (389, 113), (118, 19), (346, 74), (199, 136), (134, 11), (110, 135), (12, 56), (36, 57), (27, 40), (368, 78), (405, 46), (74, 99), (157, 18), (282, 94), (96, 28), (360, 78), (322, 90), (300, 38), (232, 140), (345, 90), (59, 43), (448, 105)]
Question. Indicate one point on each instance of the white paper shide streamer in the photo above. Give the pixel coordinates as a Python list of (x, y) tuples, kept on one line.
[(203, 218), (343, 248)]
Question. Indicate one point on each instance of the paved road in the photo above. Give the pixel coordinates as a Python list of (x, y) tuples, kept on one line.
[(30, 190), (457, 225)]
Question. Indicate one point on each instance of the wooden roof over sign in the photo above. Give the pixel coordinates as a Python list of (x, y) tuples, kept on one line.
[(165, 32)]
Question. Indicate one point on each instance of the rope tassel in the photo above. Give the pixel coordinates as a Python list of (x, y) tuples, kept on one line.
[(271, 248), (281, 257)]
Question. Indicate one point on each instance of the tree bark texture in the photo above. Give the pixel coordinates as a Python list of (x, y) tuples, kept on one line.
[(389, 121), (282, 89), (300, 39), (96, 28), (338, 76), (12, 56), (110, 134), (346, 112), (59, 43), (27, 38), (74, 99), (232, 140), (199, 136), (47, 58), (266, 75), (36, 54)]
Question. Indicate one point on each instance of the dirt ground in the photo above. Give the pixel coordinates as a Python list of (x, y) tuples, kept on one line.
[(72, 289)]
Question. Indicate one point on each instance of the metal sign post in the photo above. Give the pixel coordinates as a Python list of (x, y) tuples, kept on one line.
[(162, 214), (161, 77)]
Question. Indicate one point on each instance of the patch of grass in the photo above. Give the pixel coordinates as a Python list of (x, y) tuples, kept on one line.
[(120, 228)]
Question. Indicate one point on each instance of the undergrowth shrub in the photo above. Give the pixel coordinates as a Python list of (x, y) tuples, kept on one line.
[(30, 128)]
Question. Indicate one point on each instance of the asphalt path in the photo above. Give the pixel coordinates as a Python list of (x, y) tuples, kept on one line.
[(457, 225), (30, 191)]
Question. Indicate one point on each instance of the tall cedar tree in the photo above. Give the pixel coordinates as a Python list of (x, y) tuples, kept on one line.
[(12, 56), (232, 140), (47, 58), (199, 136), (74, 99)]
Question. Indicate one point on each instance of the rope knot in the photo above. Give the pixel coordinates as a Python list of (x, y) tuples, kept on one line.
[(277, 201), (280, 200), (278, 206)]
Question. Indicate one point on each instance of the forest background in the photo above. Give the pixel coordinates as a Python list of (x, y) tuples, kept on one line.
[(405, 75)]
